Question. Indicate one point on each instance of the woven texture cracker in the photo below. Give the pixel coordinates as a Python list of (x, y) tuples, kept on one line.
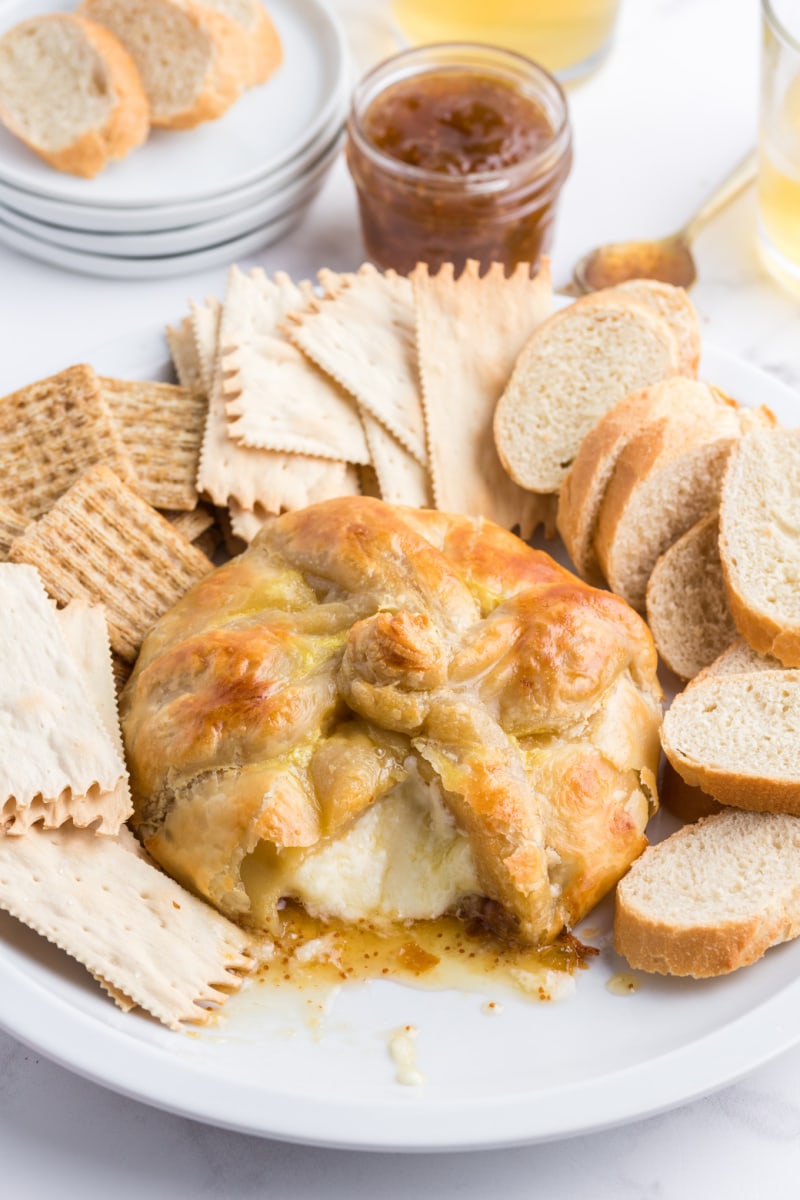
[(275, 398), (133, 927), (363, 334), (182, 348), (103, 543), (11, 526), (58, 761), (469, 333), (162, 429), (50, 432)]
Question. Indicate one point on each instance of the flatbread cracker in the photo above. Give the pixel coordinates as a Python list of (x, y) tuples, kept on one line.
[(400, 478), (11, 526), (134, 928), (50, 432), (363, 334), (102, 542), (58, 760), (469, 333), (263, 480), (184, 355), (275, 398), (205, 327), (162, 429), (84, 629)]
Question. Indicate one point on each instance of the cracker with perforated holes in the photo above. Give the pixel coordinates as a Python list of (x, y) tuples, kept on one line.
[(362, 333), (102, 542), (59, 761), (470, 331), (146, 939), (50, 432), (162, 429)]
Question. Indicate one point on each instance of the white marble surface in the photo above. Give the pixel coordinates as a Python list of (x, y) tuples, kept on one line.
[(672, 109)]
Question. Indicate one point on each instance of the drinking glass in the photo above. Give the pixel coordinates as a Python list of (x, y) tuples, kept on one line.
[(779, 142), (569, 37)]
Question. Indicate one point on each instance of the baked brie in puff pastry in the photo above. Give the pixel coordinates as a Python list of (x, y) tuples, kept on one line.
[(384, 712)]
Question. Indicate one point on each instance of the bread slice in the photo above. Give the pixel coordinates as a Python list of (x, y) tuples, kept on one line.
[(71, 92), (674, 305), (737, 735), (574, 368), (584, 485), (760, 541), (739, 659), (713, 897), (193, 62), (687, 610), (666, 478), (265, 52)]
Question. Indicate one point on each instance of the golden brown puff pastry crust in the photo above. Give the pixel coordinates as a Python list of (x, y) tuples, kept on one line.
[(354, 642)]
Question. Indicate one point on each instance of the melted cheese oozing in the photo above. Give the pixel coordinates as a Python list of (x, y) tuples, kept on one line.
[(404, 859)]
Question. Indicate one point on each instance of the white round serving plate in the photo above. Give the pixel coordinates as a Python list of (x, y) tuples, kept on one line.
[(117, 219), (276, 1066), (161, 267), (259, 135), (191, 238)]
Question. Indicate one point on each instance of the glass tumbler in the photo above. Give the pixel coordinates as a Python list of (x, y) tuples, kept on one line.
[(778, 187)]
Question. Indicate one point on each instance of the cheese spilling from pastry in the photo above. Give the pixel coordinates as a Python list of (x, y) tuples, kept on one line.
[(379, 710), (404, 859)]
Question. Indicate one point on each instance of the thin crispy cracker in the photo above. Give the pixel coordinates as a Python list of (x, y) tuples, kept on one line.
[(469, 333), (128, 923), (363, 334), (192, 524), (205, 319), (58, 759), (162, 428), (183, 351), (263, 480), (84, 629), (275, 398), (11, 526), (401, 479), (102, 542), (50, 432)]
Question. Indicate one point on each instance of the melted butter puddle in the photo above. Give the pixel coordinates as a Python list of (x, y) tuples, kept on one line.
[(316, 957), (403, 1050), (622, 984)]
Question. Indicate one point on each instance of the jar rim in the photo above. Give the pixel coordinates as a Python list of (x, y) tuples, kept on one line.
[(464, 56)]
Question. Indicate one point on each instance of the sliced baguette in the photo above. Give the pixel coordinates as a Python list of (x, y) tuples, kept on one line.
[(736, 736), (760, 541), (71, 92), (713, 897), (194, 62), (575, 367), (265, 53), (687, 610), (665, 479), (674, 305), (739, 659), (584, 485)]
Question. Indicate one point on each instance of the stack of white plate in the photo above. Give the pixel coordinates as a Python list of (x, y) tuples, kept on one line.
[(189, 200)]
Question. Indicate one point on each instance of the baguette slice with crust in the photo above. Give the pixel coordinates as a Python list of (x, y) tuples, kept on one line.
[(674, 305), (584, 486), (687, 610), (713, 897), (736, 736), (666, 478), (193, 62), (575, 367), (760, 541), (71, 92), (265, 51)]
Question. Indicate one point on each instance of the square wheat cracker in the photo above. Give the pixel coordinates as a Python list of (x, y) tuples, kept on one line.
[(144, 937), (470, 331), (50, 432), (11, 526), (162, 428), (102, 542), (58, 759)]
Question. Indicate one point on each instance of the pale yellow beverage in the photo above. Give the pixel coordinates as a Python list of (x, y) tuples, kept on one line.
[(779, 142), (779, 202), (567, 36)]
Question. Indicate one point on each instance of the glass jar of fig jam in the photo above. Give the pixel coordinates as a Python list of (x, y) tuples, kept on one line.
[(458, 151)]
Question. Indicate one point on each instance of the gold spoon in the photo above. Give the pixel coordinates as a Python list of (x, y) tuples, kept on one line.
[(668, 259)]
